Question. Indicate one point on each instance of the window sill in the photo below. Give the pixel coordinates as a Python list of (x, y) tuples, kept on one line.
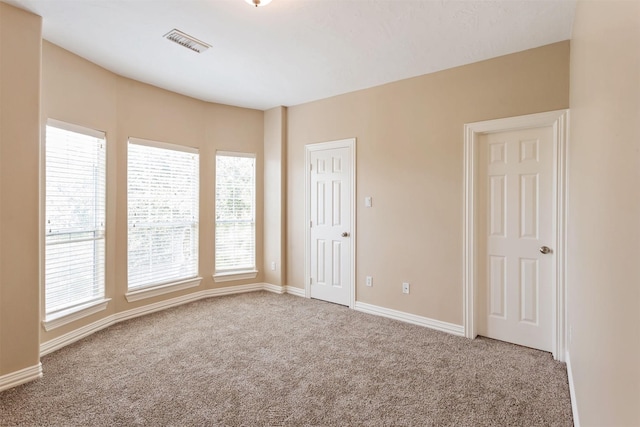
[(75, 313), (154, 291), (236, 275)]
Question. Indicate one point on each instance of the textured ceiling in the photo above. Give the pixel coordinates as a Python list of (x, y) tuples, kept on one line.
[(295, 51)]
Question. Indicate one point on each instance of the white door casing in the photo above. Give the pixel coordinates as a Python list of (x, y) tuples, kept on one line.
[(330, 207), (473, 266), (514, 221)]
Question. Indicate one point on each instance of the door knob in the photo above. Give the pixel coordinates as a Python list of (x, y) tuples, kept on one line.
[(545, 249), (345, 234)]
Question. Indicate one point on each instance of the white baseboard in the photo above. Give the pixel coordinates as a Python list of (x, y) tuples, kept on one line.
[(299, 292), (232, 290), (274, 288), (410, 318), (20, 377), (572, 392), (159, 306), (84, 331), (75, 335), (438, 325)]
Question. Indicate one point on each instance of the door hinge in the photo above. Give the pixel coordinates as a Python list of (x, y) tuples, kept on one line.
[(311, 280), (310, 224), (310, 166)]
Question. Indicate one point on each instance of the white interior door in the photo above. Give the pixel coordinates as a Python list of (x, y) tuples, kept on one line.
[(516, 214), (331, 222)]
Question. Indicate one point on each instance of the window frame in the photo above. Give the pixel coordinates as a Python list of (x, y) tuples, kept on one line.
[(172, 284), (96, 304), (231, 274)]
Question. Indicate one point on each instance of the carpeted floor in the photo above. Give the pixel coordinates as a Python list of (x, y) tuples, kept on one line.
[(262, 359)]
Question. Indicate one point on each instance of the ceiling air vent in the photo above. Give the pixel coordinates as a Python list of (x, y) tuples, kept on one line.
[(187, 41)]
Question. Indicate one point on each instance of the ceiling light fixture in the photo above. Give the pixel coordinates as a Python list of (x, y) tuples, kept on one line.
[(257, 3)]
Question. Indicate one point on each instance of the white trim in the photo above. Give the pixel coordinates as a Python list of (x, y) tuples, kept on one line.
[(276, 289), (559, 121), (77, 334), (238, 272), (163, 145), (561, 135), (22, 376), (71, 127), (237, 275), (42, 203), (572, 391), (68, 316), (235, 154), (299, 292), (438, 325), (232, 290), (154, 291), (349, 143)]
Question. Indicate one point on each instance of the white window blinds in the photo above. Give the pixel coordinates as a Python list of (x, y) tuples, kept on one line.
[(75, 175), (235, 212), (162, 213)]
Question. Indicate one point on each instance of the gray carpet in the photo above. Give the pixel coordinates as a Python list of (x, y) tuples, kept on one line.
[(262, 359)]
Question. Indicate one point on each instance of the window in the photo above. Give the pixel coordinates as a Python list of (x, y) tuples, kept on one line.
[(235, 213), (163, 213), (75, 175)]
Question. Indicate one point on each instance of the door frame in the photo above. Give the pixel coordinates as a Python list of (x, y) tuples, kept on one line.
[(349, 143), (559, 121)]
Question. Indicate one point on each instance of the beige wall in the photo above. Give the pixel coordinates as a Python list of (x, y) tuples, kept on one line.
[(77, 91), (275, 129), (19, 151), (410, 160), (604, 213)]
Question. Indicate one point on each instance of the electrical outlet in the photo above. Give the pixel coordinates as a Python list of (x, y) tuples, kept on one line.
[(369, 281), (405, 288), (273, 265)]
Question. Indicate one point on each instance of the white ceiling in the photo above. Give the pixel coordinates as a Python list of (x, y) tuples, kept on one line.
[(295, 51)]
